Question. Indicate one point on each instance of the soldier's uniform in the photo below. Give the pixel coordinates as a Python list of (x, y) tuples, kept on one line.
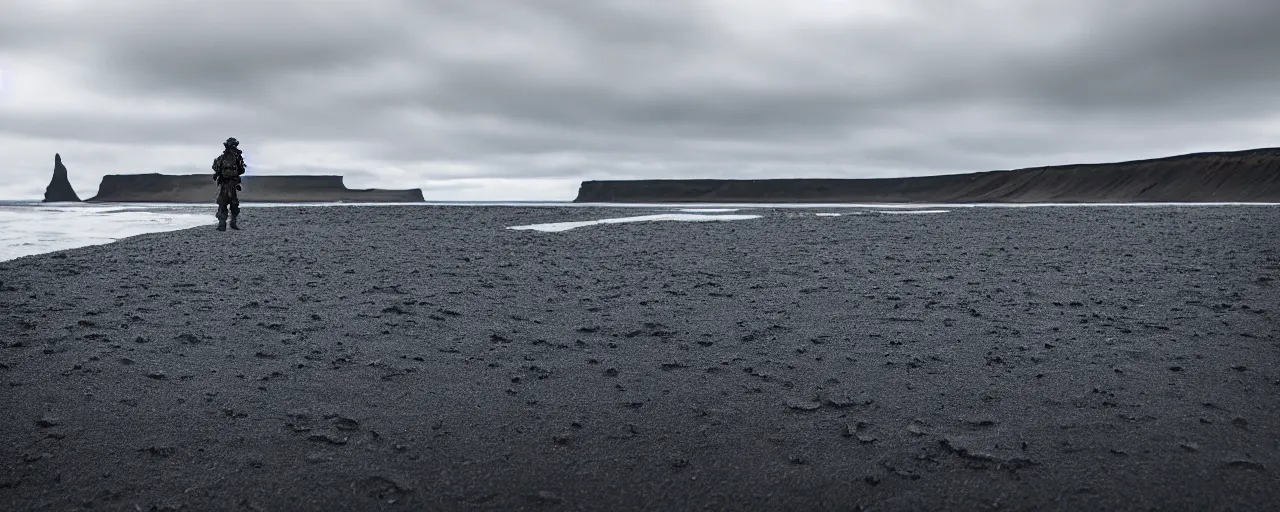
[(227, 169)]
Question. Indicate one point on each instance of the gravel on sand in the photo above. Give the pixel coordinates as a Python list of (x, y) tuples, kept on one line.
[(388, 358)]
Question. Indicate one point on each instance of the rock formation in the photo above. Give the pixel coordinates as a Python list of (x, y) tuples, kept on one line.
[(200, 188), (1242, 176), (59, 189)]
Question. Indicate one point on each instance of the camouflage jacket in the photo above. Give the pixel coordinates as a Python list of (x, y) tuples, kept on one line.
[(236, 163)]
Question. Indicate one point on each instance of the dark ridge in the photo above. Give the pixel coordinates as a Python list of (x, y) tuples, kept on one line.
[(1240, 176), (59, 189), (200, 188)]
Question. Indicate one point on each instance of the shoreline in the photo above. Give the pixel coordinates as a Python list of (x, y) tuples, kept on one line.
[(677, 204), (401, 357)]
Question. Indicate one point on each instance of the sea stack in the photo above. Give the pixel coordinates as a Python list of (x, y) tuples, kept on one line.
[(59, 189)]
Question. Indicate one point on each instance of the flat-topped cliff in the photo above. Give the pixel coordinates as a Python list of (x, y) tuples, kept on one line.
[(200, 188), (1241, 176)]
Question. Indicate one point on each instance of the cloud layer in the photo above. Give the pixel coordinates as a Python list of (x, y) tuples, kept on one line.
[(508, 99)]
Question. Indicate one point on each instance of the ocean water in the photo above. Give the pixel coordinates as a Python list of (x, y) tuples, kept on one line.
[(29, 228), (555, 227)]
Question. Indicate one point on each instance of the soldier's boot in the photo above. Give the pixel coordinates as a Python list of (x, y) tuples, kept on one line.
[(233, 223), (222, 224)]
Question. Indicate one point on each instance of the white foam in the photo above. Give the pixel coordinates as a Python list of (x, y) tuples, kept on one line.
[(827, 214), (709, 210), (690, 206), (874, 205), (681, 217), (30, 231)]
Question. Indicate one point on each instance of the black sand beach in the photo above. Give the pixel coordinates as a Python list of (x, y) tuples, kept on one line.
[(406, 358)]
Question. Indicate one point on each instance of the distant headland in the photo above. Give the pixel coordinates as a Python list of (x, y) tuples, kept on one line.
[(200, 188), (1240, 176)]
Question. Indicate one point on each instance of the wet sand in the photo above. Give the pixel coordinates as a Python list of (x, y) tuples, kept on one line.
[(405, 358)]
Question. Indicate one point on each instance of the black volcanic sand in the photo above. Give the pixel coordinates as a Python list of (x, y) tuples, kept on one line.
[(403, 358)]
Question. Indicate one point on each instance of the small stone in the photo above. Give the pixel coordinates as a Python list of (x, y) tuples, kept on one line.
[(1189, 446), (1240, 422), (327, 438), (841, 400), (160, 451), (48, 421), (627, 431), (803, 405), (545, 497), (156, 375), (1246, 464), (872, 480)]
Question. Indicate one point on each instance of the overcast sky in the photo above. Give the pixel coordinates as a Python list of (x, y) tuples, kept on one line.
[(509, 100)]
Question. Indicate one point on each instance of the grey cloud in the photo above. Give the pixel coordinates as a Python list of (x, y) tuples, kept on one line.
[(1208, 53), (566, 88)]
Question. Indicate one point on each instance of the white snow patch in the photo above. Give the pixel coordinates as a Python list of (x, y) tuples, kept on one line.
[(916, 211), (681, 217), (827, 214), (709, 210)]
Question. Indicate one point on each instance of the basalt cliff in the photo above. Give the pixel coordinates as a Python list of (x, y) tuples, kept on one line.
[(200, 188), (59, 189), (1240, 176)]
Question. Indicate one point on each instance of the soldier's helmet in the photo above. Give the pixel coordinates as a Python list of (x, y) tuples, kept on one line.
[(231, 142)]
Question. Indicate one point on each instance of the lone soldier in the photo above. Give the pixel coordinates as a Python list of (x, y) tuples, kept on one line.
[(227, 169)]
